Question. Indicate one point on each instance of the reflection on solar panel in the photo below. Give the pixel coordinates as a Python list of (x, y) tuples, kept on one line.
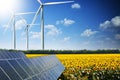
[(15, 66)]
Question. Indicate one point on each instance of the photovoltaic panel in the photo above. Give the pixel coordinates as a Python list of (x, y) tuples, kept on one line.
[(39, 63), (36, 64), (11, 54), (35, 78), (15, 66), (48, 64), (19, 69), (4, 54), (3, 75), (25, 66), (32, 66), (9, 70)]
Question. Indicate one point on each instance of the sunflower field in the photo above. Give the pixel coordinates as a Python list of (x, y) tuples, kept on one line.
[(89, 66)]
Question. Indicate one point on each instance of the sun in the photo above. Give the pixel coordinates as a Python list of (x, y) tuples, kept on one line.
[(7, 5)]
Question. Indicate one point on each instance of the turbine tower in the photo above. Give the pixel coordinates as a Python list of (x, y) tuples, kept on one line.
[(41, 8)]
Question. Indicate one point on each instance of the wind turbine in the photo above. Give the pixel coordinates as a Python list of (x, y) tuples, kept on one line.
[(27, 33), (41, 8), (14, 27)]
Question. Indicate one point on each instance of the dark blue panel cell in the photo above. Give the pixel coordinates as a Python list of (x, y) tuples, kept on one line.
[(32, 66), (3, 76), (4, 54), (41, 64), (9, 70), (35, 78), (42, 77), (14, 55), (49, 75), (37, 64), (20, 54), (19, 69), (25, 66)]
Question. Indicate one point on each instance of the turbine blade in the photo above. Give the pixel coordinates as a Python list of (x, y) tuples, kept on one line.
[(35, 17), (11, 19), (39, 1), (34, 24), (25, 13), (53, 3), (8, 24)]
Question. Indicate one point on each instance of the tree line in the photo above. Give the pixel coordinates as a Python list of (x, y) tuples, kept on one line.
[(73, 51), (115, 51)]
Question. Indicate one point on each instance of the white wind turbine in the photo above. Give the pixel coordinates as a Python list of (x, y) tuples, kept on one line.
[(27, 33), (41, 8), (12, 20)]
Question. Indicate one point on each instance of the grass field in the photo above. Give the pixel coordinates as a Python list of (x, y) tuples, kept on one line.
[(89, 66)]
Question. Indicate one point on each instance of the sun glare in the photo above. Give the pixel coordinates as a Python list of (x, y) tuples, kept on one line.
[(8, 5)]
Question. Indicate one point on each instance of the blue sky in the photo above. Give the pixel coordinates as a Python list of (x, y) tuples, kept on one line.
[(84, 24)]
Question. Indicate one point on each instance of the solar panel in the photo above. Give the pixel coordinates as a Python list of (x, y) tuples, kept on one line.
[(15, 66), (35, 78), (19, 69), (3, 54), (32, 66), (49, 64), (11, 54), (13, 75), (36, 64), (3, 74), (25, 67)]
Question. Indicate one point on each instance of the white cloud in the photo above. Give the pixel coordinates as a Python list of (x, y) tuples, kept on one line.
[(66, 39), (114, 22), (117, 36), (105, 25), (52, 30), (88, 32), (35, 35), (20, 24), (75, 6), (65, 22)]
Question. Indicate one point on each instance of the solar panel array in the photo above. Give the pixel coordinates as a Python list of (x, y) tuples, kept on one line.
[(16, 66)]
